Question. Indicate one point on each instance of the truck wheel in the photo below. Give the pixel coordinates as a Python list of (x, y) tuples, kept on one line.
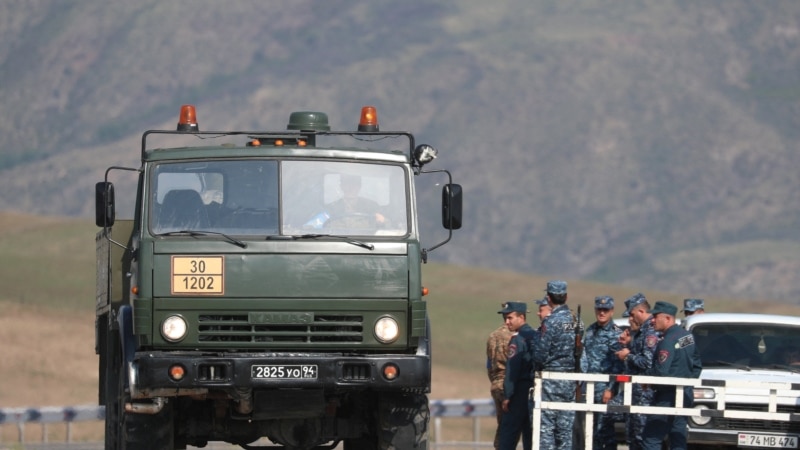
[(403, 422), (143, 431), (149, 431), (112, 393)]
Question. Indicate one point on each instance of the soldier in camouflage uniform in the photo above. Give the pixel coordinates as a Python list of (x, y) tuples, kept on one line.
[(638, 359), (692, 306), (544, 309), (616, 393), (496, 354), (518, 379), (600, 342), (555, 352)]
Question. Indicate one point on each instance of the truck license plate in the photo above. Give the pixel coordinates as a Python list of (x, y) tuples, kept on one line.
[(284, 372), (767, 440)]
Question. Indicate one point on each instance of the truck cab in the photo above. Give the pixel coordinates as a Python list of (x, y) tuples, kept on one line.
[(268, 285)]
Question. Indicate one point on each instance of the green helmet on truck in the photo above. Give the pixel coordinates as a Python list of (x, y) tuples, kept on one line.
[(268, 286)]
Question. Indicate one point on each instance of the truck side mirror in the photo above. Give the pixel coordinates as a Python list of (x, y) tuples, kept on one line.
[(104, 204), (451, 206)]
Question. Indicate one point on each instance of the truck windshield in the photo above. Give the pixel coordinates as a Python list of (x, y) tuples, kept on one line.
[(269, 197), (748, 344)]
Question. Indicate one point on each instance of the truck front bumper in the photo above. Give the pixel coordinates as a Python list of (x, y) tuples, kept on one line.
[(152, 374)]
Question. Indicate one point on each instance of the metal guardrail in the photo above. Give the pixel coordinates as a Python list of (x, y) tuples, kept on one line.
[(452, 408), (481, 408), (448, 408), (50, 414)]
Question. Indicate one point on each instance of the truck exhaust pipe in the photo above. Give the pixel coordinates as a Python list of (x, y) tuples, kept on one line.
[(146, 408)]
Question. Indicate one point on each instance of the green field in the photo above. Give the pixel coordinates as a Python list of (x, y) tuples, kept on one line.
[(47, 282)]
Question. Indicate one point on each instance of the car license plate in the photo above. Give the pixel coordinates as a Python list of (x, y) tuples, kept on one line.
[(767, 440), (284, 372)]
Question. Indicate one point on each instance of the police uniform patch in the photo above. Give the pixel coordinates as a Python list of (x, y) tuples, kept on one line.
[(652, 340), (685, 341), (512, 350), (662, 356)]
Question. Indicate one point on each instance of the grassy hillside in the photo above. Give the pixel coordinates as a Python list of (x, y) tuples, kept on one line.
[(47, 319), (47, 262)]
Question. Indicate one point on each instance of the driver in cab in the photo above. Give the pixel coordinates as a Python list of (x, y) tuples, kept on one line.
[(351, 204)]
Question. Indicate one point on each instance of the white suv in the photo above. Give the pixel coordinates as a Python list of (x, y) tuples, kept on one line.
[(749, 347)]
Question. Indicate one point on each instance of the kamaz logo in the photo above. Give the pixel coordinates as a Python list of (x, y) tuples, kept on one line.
[(280, 317)]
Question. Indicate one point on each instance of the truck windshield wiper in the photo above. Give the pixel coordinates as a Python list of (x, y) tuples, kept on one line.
[(347, 239), (230, 239)]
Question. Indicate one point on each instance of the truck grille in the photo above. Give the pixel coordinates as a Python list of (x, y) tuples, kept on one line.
[(332, 328)]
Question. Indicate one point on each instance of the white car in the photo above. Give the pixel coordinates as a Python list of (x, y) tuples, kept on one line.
[(750, 347)]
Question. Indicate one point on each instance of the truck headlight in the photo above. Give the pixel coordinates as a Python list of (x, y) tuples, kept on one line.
[(173, 328), (386, 330)]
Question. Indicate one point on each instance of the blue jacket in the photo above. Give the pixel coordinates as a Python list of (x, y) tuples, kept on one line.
[(519, 366), (675, 356), (555, 348), (643, 347)]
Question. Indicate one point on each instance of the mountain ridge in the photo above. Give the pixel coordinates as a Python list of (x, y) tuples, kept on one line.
[(648, 143)]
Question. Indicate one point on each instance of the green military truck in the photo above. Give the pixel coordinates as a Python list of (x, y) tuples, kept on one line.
[(268, 286)]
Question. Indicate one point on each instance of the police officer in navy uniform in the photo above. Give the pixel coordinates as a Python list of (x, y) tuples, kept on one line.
[(555, 352), (518, 378), (676, 356)]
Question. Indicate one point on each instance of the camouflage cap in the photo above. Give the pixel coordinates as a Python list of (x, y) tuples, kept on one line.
[(542, 301), (627, 312), (603, 302), (556, 287), (635, 300), (693, 304), (517, 307), (664, 308)]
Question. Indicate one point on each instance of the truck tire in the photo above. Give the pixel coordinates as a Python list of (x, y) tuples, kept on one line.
[(149, 431), (113, 362), (140, 431), (403, 422)]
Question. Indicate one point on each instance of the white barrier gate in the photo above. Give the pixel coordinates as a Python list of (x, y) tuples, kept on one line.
[(626, 381)]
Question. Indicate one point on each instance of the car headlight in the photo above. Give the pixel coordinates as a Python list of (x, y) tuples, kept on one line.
[(704, 394), (173, 328), (386, 330), (700, 420)]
